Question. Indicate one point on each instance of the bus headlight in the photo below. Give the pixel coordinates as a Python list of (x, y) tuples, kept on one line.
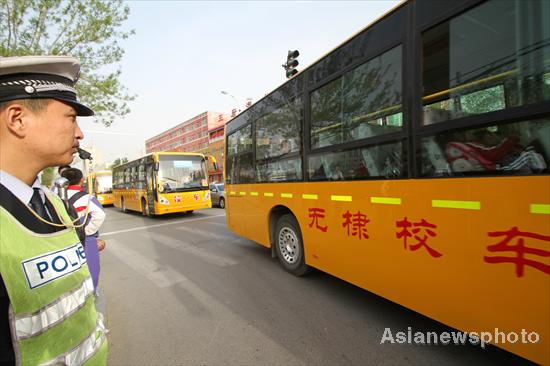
[(206, 196), (100, 198), (163, 201)]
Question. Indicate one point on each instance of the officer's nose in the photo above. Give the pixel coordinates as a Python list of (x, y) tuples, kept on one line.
[(78, 133)]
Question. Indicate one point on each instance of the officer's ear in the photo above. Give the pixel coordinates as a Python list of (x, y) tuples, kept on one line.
[(14, 115)]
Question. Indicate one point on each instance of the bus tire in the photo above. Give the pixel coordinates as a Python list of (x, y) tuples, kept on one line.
[(289, 245), (189, 212), (123, 205), (222, 202)]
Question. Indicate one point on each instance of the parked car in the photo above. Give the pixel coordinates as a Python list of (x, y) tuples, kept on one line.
[(218, 194)]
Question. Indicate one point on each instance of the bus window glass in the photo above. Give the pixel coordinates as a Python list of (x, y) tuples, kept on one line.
[(289, 170), (141, 177), (134, 176), (141, 172), (239, 156), (372, 97), (326, 115), (181, 173), (241, 141), (278, 133), (378, 161), (103, 183), (515, 148), (127, 177), (364, 102), (479, 62)]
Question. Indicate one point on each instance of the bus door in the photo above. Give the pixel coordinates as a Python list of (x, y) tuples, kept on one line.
[(151, 187)]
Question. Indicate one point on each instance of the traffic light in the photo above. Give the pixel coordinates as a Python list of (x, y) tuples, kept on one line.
[(291, 63)]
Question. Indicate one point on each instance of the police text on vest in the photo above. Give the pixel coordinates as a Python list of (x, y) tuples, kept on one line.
[(54, 265)]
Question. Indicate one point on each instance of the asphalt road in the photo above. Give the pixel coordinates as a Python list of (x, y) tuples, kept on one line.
[(184, 290)]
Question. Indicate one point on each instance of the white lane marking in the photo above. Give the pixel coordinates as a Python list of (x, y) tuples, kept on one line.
[(160, 275), (186, 247), (157, 225), (202, 235)]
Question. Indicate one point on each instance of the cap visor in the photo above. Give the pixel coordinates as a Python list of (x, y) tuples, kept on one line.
[(81, 109)]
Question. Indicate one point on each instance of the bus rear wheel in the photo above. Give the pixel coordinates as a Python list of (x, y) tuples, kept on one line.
[(289, 245)]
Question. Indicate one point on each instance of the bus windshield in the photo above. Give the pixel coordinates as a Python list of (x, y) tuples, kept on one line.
[(104, 183), (181, 173)]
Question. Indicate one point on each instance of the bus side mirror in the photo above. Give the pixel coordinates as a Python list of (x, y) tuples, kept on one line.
[(212, 160)]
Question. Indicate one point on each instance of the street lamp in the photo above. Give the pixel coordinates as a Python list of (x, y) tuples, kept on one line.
[(237, 101), (230, 95)]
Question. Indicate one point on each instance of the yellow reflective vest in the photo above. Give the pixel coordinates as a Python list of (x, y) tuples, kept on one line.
[(52, 312)]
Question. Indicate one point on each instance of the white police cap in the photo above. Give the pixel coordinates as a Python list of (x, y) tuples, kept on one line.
[(39, 77)]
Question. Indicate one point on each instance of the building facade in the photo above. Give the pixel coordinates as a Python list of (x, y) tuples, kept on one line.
[(195, 135), (216, 146)]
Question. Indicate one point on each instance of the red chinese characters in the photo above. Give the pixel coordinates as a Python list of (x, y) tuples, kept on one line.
[(357, 223), (315, 214), (520, 250), (421, 231)]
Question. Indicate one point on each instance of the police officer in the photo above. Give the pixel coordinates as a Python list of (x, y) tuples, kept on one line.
[(47, 312)]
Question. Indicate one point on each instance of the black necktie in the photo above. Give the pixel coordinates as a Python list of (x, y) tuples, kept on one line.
[(38, 206)]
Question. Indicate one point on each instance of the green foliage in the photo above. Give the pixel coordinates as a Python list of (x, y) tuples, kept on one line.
[(89, 31), (118, 161), (46, 178)]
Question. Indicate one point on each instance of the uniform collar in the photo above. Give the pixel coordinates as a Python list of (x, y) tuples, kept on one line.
[(19, 188)]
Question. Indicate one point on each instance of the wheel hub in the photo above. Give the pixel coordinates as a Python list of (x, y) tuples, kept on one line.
[(288, 245)]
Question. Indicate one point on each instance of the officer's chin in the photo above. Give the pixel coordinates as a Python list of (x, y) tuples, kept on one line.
[(67, 160)]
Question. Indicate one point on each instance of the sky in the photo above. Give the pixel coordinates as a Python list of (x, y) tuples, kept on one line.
[(185, 53)]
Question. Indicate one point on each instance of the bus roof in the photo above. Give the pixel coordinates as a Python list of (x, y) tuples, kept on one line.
[(175, 153), (159, 153)]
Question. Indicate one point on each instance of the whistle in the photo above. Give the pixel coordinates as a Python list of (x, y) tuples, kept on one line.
[(84, 155)]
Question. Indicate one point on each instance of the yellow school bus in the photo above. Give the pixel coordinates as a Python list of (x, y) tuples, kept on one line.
[(161, 183), (412, 161), (101, 185)]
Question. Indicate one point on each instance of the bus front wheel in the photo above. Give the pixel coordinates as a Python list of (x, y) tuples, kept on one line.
[(290, 246)]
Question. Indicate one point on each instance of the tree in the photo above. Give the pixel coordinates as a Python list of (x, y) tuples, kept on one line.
[(88, 31), (119, 161)]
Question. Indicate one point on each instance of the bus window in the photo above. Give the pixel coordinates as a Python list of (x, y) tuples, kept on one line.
[(364, 102), (239, 158), (288, 170), (478, 63), (103, 183), (178, 175), (378, 161), (514, 148), (278, 133)]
